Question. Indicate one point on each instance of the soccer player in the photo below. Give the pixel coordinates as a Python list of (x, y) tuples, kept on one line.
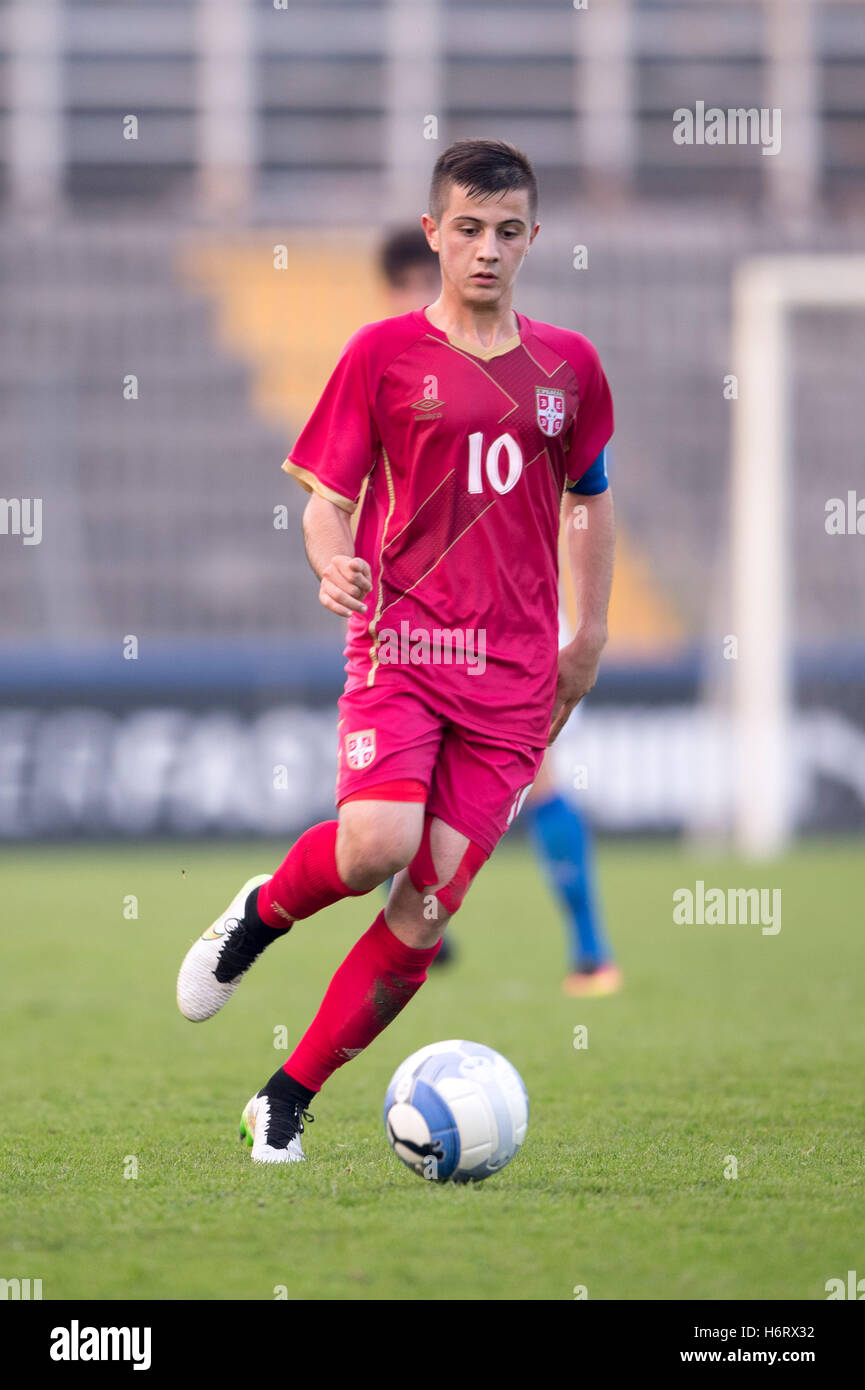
[(467, 420), (560, 834)]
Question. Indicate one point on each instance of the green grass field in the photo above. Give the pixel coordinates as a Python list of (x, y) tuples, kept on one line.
[(724, 1042)]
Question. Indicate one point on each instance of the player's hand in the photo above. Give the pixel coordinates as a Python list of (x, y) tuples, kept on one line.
[(344, 585), (578, 671)]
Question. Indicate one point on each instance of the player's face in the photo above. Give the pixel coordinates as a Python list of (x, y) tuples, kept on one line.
[(482, 243)]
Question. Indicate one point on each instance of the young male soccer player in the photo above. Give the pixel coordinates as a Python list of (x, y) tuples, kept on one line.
[(561, 835), (467, 420)]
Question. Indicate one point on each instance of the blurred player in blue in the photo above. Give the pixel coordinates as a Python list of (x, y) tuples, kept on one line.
[(559, 832)]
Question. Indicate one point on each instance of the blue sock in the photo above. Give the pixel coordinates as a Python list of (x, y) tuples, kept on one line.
[(563, 842)]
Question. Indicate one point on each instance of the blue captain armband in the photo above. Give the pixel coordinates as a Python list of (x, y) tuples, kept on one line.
[(594, 480)]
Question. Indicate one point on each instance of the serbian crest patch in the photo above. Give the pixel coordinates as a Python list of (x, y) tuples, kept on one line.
[(360, 749), (550, 406)]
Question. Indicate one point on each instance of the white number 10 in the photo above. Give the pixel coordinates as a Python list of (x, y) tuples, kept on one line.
[(493, 467)]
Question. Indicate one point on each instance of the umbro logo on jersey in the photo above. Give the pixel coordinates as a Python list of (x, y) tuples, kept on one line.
[(425, 408)]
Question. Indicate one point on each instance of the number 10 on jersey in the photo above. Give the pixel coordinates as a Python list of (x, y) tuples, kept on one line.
[(492, 464)]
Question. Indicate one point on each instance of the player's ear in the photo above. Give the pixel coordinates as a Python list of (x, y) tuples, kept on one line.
[(431, 230)]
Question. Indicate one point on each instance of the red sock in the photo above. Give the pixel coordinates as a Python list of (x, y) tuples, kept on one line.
[(306, 881), (376, 980)]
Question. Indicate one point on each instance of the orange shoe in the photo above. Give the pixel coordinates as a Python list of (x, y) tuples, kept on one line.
[(582, 984)]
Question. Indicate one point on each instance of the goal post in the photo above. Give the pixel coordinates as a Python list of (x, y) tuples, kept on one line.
[(766, 291)]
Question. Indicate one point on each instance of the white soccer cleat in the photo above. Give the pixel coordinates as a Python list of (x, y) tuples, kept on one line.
[(272, 1129), (214, 965)]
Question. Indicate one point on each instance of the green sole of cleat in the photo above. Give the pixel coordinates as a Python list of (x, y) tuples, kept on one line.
[(245, 1134)]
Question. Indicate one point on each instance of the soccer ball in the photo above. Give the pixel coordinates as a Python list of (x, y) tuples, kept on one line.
[(456, 1111)]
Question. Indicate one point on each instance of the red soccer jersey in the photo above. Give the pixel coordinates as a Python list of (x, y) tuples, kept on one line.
[(466, 452)]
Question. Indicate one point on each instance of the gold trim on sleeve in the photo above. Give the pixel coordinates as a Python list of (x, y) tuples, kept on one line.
[(313, 484)]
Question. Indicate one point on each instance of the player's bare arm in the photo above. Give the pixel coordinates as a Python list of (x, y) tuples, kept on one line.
[(590, 547), (345, 578)]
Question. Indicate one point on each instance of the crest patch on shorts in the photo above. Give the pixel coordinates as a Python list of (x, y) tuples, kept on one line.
[(360, 749)]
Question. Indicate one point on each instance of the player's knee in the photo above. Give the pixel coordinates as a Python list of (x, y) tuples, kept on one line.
[(368, 855)]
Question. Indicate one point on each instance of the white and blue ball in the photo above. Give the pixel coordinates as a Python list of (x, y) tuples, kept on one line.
[(456, 1111)]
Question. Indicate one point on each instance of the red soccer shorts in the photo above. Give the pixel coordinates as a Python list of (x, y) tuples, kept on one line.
[(476, 783)]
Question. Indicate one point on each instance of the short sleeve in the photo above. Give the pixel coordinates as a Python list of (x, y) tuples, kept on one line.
[(593, 426), (338, 445)]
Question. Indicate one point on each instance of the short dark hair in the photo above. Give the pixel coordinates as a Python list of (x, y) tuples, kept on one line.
[(481, 167), (402, 250)]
